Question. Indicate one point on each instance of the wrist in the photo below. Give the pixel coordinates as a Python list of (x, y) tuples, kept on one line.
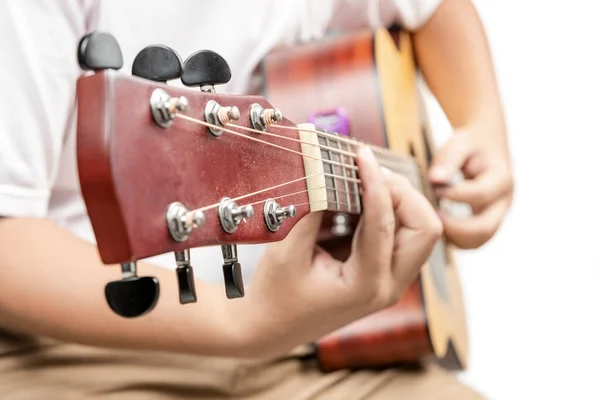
[(487, 128)]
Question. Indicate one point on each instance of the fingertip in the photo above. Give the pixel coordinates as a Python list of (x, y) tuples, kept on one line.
[(366, 153), (439, 174), (385, 171), (370, 172)]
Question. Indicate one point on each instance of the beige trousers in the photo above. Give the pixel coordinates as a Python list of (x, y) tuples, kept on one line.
[(71, 371)]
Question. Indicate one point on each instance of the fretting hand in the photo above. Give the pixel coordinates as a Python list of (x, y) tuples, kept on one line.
[(300, 292)]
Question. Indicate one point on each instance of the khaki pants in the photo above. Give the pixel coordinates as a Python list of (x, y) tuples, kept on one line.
[(71, 371)]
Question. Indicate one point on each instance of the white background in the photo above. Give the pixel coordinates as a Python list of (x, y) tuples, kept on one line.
[(532, 293)]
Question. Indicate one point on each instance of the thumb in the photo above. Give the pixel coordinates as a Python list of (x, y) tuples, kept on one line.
[(299, 245), (449, 159)]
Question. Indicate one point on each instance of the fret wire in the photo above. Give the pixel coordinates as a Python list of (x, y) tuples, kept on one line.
[(334, 156), (330, 142), (354, 176), (330, 177), (337, 200), (344, 170)]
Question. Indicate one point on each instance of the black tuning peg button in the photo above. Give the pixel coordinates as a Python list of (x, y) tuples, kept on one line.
[(132, 296), (185, 278), (99, 50), (157, 63), (232, 273), (234, 284), (205, 69)]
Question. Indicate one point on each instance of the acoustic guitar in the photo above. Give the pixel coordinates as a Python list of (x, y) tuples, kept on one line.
[(233, 170), (365, 86)]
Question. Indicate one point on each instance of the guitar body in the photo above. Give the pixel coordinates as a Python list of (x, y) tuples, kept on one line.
[(369, 81)]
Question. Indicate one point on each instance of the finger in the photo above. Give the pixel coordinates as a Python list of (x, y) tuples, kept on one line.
[(420, 227), (449, 159), (411, 208), (373, 240), (474, 231), (299, 245), (480, 192)]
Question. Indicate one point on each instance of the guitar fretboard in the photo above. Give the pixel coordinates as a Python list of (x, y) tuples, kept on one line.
[(343, 190)]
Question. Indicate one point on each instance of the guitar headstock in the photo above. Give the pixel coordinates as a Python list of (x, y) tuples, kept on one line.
[(156, 178)]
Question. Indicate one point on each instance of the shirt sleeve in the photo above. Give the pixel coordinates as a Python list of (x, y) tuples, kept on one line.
[(410, 14), (38, 43)]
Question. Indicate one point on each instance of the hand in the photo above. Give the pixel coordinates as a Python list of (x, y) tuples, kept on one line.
[(482, 156), (300, 292)]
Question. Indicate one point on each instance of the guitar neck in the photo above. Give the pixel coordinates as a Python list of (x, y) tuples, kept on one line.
[(337, 189)]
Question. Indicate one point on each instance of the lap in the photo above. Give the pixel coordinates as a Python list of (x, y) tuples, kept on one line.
[(69, 371)]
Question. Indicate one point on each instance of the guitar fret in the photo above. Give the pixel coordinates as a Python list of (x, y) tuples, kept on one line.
[(334, 173), (335, 181), (344, 161), (328, 168), (346, 197), (358, 204)]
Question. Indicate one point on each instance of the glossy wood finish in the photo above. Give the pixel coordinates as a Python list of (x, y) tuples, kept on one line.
[(309, 79), (131, 169), (363, 73)]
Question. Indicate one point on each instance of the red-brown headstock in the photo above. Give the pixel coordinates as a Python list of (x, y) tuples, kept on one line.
[(155, 179), (133, 171)]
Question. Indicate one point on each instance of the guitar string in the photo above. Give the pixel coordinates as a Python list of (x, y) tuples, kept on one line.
[(353, 142), (387, 163), (197, 121), (338, 151), (351, 206), (332, 150), (206, 208), (329, 201)]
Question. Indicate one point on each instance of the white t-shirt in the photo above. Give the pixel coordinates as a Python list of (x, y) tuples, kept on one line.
[(38, 41)]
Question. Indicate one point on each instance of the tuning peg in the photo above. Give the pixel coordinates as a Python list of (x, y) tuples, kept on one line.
[(157, 63), (132, 296), (205, 69), (232, 273), (231, 215), (275, 214), (185, 277), (99, 50)]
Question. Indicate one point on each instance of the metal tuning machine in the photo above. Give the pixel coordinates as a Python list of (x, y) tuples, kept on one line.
[(231, 215), (275, 214), (261, 117), (160, 63), (164, 107), (220, 116), (182, 221), (132, 296)]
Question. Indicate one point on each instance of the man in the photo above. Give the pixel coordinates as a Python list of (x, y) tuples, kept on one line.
[(61, 339)]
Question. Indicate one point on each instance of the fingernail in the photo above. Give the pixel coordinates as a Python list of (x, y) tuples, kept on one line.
[(439, 173), (385, 171), (367, 153)]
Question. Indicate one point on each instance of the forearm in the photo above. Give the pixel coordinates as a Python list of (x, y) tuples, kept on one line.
[(52, 284), (454, 57)]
